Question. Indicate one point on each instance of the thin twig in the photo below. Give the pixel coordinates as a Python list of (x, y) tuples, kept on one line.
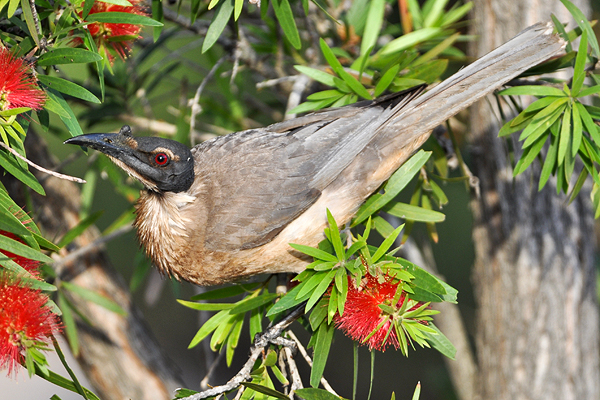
[(294, 374), (217, 360), (36, 18), (309, 361), (262, 341), (34, 165), (300, 85), (90, 247), (196, 108), (276, 81)]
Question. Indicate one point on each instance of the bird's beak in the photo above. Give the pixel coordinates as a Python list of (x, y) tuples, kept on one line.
[(108, 143)]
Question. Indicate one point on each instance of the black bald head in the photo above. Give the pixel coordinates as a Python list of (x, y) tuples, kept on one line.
[(162, 165)]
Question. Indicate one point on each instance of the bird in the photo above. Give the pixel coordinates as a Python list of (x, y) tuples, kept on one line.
[(228, 208)]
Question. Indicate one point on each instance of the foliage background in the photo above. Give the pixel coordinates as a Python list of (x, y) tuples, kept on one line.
[(229, 106)]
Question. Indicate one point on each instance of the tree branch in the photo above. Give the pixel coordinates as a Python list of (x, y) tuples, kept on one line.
[(262, 341)]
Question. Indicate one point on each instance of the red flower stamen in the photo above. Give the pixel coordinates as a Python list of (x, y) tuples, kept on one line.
[(18, 87), (27, 321), (119, 36), (364, 321)]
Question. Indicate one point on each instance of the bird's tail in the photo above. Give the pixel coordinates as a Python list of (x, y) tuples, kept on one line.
[(414, 121)]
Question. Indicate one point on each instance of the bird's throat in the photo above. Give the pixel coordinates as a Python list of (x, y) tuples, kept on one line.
[(161, 227)]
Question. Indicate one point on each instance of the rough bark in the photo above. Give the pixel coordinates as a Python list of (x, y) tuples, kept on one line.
[(118, 353), (534, 273)]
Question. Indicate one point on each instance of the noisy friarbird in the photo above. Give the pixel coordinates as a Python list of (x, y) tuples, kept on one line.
[(229, 207)]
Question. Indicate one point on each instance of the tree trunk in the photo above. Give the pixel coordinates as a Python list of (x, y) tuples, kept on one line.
[(534, 275)]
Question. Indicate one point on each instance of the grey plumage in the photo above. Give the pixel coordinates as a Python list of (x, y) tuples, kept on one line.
[(256, 191)]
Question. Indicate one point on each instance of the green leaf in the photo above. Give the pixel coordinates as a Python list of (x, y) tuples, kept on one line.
[(325, 94), (564, 136), (318, 314), (255, 323), (387, 243), (69, 323), (218, 24), (315, 394), (316, 74), (529, 154), (355, 85), (206, 306), (252, 303), (94, 297), (434, 13), (584, 24), (588, 122), (549, 162), (395, 184), (19, 249), (373, 25), (536, 90), (529, 112), (577, 131), (335, 238), (542, 121), (79, 228), (89, 42), (456, 13), (579, 184), (314, 252), (385, 81), (67, 87), (330, 57), (320, 289), (440, 342), (12, 7), (409, 40), (238, 9), (209, 326), (579, 70), (589, 91), (285, 16), (122, 18), (80, 389), (158, 15), (63, 382), (414, 213), (29, 20), (265, 390), (234, 338), (11, 165), (224, 292), (288, 301), (69, 120), (438, 49), (67, 55), (322, 345)]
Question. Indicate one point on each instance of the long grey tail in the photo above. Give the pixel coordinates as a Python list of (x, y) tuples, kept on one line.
[(529, 48)]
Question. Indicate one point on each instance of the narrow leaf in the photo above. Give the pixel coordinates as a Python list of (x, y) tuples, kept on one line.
[(373, 25), (217, 24), (579, 70), (67, 55), (122, 18)]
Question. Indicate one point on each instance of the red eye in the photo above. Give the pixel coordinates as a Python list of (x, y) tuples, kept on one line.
[(161, 159)]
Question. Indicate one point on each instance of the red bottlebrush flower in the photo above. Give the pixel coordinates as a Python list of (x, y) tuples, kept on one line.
[(119, 36), (18, 87), (31, 266), (26, 322), (364, 321)]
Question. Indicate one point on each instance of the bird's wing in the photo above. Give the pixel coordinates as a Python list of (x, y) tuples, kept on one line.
[(260, 180)]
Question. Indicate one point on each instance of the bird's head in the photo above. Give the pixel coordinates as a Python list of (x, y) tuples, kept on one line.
[(162, 165)]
